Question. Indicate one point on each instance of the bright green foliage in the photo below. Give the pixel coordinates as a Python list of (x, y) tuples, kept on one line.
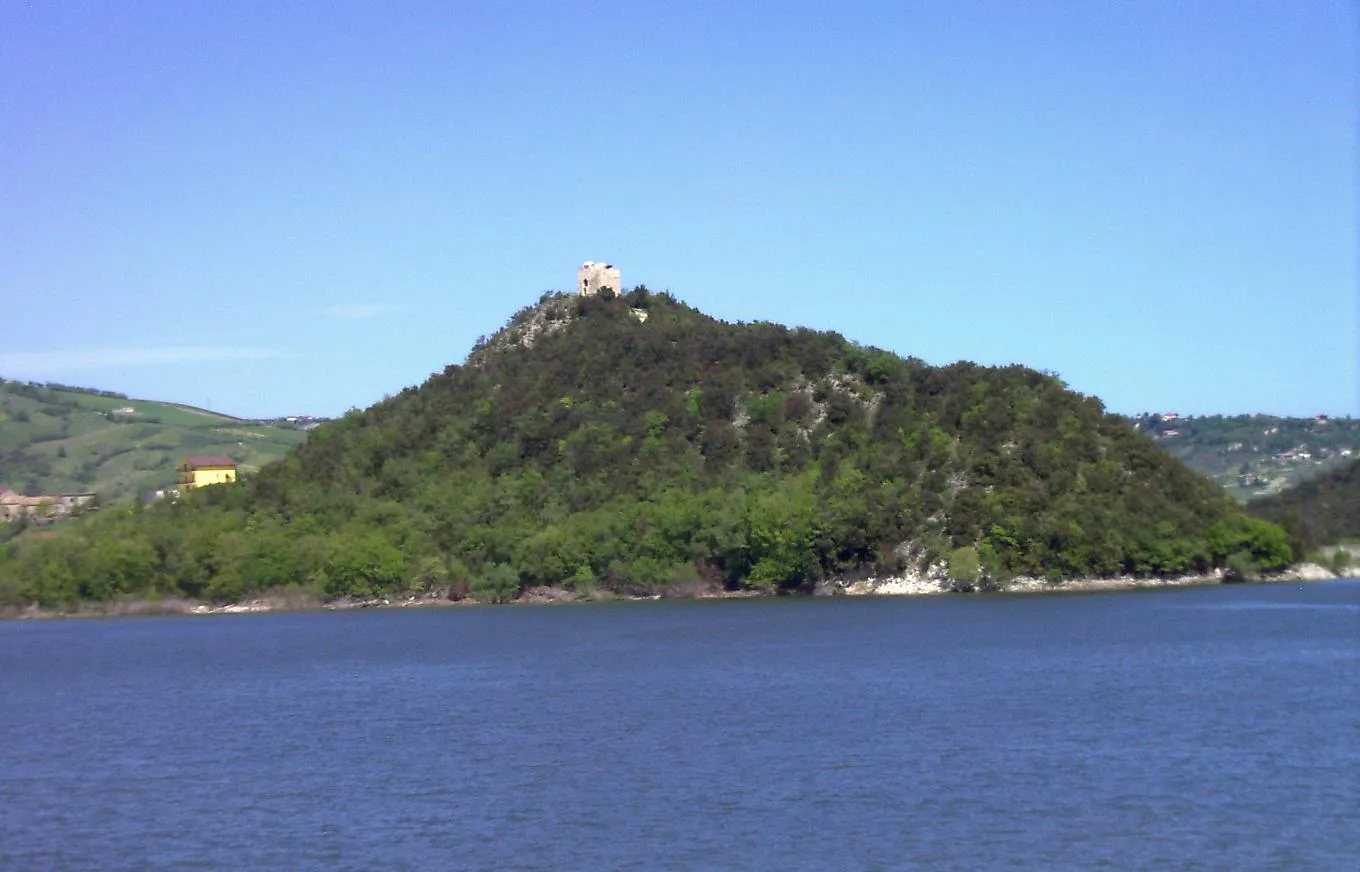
[(964, 565), (1264, 543), (583, 448), (783, 528), (363, 562), (498, 583)]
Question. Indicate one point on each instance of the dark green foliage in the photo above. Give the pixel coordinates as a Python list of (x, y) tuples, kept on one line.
[(585, 447), (1321, 511)]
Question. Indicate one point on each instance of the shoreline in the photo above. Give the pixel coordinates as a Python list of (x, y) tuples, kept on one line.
[(894, 586)]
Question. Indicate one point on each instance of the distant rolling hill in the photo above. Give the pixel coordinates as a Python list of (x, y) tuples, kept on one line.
[(1255, 456), (58, 439)]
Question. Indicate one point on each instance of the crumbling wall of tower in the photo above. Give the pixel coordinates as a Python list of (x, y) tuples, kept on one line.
[(592, 276)]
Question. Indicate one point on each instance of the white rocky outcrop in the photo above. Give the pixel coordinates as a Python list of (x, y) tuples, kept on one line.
[(910, 582), (1027, 584), (935, 580), (1306, 572)]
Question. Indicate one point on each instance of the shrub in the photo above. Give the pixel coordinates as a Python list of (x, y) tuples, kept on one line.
[(498, 583), (1240, 567), (964, 567)]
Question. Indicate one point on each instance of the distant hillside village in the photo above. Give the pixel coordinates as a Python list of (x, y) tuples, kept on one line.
[(130, 414), (44, 509), (1254, 455), (124, 414)]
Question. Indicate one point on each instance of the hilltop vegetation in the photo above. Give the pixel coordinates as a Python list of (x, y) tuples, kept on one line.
[(62, 439), (1254, 456), (635, 445)]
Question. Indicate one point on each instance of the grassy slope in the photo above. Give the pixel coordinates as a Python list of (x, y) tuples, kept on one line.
[(54, 441)]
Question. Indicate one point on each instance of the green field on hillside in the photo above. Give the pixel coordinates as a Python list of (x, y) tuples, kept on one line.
[(62, 440)]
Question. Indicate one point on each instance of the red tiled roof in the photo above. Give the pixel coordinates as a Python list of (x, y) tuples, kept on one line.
[(209, 460)]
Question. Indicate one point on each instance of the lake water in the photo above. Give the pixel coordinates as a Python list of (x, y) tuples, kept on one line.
[(1210, 728)]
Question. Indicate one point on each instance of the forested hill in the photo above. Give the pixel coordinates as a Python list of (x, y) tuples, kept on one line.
[(1321, 511), (638, 445)]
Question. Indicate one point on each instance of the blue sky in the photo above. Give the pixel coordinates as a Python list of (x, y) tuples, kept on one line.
[(301, 207)]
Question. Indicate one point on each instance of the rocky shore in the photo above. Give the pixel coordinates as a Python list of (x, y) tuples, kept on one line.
[(935, 581), (932, 582)]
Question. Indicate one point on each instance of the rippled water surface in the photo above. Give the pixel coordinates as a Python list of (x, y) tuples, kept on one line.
[(1213, 728)]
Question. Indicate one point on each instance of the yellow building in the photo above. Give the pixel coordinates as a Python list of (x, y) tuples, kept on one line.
[(213, 469)]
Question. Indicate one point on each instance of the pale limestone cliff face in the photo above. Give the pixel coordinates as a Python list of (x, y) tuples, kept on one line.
[(592, 276)]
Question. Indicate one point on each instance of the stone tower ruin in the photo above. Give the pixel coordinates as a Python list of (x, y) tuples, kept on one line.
[(592, 276)]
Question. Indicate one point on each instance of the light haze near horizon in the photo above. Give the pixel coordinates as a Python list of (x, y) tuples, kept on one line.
[(299, 208)]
